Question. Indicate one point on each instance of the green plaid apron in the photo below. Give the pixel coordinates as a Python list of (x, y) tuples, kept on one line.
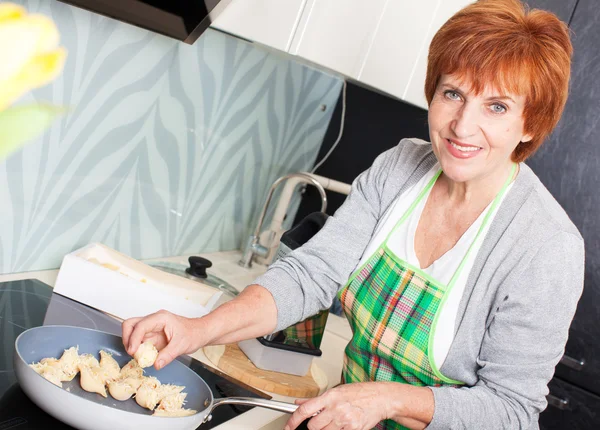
[(307, 333), (393, 308)]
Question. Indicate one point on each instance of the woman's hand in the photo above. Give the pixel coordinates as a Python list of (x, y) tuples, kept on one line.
[(171, 334), (361, 405), (351, 406), (251, 314)]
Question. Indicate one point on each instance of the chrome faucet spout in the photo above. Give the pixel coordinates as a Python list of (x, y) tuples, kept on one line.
[(253, 246)]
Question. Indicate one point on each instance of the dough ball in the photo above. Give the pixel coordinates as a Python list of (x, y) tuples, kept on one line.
[(132, 370), (55, 365), (169, 390), (172, 406), (92, 380), (172, 402), (89, 360), (148, 395), (123, 389), (146, 354), (59, 370), (51, 362), (51, 373), (69, 363), (151, 392), (109, 366)]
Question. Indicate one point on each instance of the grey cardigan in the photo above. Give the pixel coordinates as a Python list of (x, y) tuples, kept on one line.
[(515, 313)]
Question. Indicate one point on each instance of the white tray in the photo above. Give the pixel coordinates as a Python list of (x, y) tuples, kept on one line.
[(124, 287)]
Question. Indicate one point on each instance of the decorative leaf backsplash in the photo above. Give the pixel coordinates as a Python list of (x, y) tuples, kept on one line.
[(168, 149)]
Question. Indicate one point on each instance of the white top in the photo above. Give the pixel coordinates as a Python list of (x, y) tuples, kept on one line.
[(402, 243)]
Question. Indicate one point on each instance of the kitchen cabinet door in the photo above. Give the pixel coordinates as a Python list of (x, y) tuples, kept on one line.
[(269, 22), (398, 42), (337, 33), (570, 407), (569, 166), (415, 92)]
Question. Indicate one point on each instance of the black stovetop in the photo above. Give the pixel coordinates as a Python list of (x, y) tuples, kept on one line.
[(31, 303)]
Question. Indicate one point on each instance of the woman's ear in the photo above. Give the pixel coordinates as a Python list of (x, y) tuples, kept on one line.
[(527, 138)]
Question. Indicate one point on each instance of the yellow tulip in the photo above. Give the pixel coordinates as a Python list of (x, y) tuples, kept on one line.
[(11, 11), (29, 53)]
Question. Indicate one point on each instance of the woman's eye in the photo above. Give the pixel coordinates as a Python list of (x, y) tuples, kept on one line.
[(498, 108), (452, 95)]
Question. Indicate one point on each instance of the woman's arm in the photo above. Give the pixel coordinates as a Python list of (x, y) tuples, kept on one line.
[(251, 314), (307, 279), (303, 282)]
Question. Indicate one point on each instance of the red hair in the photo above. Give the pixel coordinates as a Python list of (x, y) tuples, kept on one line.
[(524, 52)]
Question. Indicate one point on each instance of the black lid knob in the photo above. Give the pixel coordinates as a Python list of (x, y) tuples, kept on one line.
[(198, 266)]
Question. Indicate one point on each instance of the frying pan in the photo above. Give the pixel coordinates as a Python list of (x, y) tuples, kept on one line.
[(83, 410)]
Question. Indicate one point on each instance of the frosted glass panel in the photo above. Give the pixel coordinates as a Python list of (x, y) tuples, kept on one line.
[(168, 149)]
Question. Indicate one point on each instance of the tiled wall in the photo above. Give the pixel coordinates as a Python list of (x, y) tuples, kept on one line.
[(168, 148)]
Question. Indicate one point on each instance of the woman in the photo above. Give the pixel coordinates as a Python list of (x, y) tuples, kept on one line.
[(460, 273)]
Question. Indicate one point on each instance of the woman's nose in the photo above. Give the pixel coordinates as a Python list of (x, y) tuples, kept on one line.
[(465, 122)]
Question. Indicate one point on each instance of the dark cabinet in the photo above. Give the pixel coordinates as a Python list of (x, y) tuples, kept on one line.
[(562, 8), (569, 165), (570, 407), (583, 344)]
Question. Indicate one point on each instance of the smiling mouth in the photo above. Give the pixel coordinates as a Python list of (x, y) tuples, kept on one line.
[(463, 148)]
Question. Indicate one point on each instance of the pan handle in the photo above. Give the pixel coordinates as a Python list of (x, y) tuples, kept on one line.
[(288, 408)]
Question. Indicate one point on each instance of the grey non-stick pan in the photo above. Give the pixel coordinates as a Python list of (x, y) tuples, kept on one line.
[(84, 410)]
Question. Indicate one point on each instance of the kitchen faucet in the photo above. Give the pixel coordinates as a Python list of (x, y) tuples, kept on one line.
[(253, 246)]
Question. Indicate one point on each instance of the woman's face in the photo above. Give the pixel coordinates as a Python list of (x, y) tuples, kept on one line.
[(473, 136)]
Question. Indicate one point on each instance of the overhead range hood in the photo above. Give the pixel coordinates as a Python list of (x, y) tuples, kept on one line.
[(184, 20)]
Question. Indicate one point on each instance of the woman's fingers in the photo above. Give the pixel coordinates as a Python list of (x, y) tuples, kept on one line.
[(358, 406), (152, 323), (156, 339), (169, 333), (168, 354), (307, 409), (322, 421), (127, 328)]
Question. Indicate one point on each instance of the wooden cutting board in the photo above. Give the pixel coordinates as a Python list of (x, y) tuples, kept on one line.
[(232, 360)]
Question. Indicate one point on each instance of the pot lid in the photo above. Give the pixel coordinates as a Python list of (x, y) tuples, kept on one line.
[(196, 271)]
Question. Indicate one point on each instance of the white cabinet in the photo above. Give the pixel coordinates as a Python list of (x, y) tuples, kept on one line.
[(269, 22), (415, 90), (382, 43), (398, 44), (337, 33), (397, 60)]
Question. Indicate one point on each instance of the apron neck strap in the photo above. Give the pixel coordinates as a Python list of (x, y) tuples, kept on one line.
[(486, 219), (414, 204)]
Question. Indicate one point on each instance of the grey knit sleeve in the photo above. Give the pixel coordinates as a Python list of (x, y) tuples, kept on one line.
[(306, 280), (522, 344)]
